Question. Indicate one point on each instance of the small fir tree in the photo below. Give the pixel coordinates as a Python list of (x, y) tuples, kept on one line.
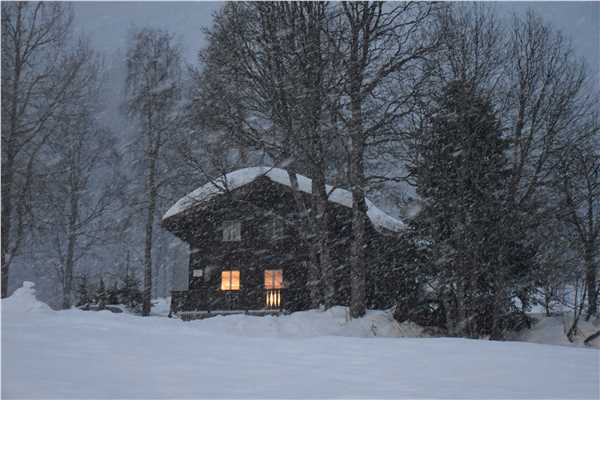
[(112, 294), (101, 296), (83, 296), (130, 293)]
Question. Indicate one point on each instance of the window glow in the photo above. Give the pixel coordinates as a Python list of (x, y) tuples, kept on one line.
[(273, 279), (273, 299), (230, 280)]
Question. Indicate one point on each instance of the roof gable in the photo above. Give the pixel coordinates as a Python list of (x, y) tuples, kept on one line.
[(243, 177)]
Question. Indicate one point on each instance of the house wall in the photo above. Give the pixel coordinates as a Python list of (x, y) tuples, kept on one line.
[(254, 205), (180, 252)]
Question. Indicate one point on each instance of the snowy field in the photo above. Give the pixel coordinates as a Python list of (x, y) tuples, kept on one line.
[(313, 354)]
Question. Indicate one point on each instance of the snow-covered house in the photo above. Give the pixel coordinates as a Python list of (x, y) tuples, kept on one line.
[(246, 252)]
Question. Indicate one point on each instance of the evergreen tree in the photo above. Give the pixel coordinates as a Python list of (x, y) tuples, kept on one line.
[(112, 294), (461, 171), (130, 293)]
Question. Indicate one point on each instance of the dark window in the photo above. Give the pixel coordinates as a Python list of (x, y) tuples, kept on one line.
[(275, 228), (232, 231)]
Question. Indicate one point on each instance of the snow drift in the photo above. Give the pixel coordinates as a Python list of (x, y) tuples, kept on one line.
[(314, 323), (23, 301), (553, 330)]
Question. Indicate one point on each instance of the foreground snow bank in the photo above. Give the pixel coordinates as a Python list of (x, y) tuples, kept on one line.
[(332, 322), (79, 354)]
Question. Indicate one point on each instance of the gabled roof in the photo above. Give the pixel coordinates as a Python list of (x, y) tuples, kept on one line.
[(242, 177)]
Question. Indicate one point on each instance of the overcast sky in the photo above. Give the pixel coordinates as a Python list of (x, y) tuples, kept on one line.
[(107, 23)]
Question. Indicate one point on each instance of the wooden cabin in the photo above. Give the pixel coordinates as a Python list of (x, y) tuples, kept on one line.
[(246, 252)]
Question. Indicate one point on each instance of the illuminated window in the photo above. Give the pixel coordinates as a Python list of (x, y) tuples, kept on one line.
[(230, 280), (273, 285), (273, 279), (232, 231)]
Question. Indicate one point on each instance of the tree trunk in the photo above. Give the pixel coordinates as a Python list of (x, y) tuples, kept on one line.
[(573, 330), (327, 280), (591, 281), (358, 284), (4, 279), (496, 331), (308, 234), (314, 275), (151, 186), (69, 269), (314, 85), (71, 233), (588, 340), (358, 276), (7, 177), (159, 256), (8, 166)]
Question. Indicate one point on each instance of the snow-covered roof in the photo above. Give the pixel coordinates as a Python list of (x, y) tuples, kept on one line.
[(242, 177)]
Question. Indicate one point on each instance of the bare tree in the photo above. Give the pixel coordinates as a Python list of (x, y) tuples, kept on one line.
[(548, 101), (268, 84), (545, 97), (37, 76), (153, 90), (472, 45), (579, 189), (386, 47), (80, 179)]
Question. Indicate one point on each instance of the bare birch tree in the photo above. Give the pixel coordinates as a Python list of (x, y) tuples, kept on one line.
[(153, 90), (79, 180)]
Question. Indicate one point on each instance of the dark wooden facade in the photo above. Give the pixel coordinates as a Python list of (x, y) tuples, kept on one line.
[(264, 209)]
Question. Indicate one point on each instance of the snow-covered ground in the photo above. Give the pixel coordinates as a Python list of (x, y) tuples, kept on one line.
[(312, 354), (553, 330)]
